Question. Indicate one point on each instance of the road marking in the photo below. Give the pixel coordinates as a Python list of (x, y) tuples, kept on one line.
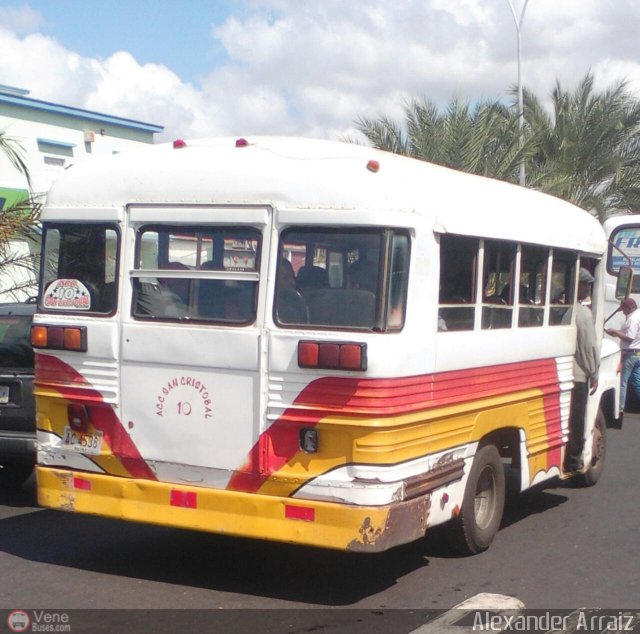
[(455, 620), (498, 613)]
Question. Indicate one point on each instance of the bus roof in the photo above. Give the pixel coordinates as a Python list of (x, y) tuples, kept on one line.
[(293, 173)]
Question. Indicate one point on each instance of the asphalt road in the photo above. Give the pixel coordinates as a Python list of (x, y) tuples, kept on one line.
[(564, 547)]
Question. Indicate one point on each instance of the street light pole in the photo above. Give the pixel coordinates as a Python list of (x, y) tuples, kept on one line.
[(518, 21)]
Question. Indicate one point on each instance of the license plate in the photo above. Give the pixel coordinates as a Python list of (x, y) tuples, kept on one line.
[(4, 394), (82, 442)]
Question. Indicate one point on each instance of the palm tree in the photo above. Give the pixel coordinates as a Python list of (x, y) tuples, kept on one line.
[(482, 139), (19, 235), (588, 148), (11, 150)]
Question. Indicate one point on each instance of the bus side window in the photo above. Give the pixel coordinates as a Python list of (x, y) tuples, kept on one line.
[(562, 287), (533, 286), (399, 278), (458, 258), (498, 291)]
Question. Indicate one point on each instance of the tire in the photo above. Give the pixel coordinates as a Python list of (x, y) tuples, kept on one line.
[(15, 475), (593, 473), (482, 505)]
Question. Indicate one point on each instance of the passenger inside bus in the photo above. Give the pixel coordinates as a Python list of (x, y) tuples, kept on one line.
[(290, 307), (224, 300), (310, 279)]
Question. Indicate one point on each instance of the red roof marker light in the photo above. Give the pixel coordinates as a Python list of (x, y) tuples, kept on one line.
[(179, 143)]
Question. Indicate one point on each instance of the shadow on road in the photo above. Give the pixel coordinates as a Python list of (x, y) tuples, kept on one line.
[(220, 563), (203, 560), (21, 497)]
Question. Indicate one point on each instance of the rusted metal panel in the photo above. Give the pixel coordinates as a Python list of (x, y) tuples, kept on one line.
[(405, 523)]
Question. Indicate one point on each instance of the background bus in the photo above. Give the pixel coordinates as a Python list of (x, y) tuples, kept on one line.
[(623, 235)]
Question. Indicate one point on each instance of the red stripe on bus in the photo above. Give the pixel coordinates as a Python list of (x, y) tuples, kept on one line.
[(553, 421), (384, 397), (379, 397), (103, 418)]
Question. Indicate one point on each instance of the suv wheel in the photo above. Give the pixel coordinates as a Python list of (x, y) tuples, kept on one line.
[(14, 475)]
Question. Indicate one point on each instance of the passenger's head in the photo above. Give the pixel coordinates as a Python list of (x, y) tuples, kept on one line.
[(628, 305), (311, 278), (286, 276), (362, 274), (585, 280)]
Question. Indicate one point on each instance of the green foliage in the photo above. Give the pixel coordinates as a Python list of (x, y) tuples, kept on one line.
[(482, 139), (19, 233), (11, 150), (586, 150)]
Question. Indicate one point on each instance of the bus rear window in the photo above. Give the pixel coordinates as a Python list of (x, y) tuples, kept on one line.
[(79, 268), (336, 279), (207, 274)]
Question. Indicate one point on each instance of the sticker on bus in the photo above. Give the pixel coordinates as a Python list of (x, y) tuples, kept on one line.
[(67, 295)]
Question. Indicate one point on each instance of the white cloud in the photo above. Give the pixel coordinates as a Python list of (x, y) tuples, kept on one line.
[(22, 19), (311, 68)]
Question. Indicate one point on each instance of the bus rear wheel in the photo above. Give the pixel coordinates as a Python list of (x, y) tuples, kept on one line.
[(593, 473), (483, 503)]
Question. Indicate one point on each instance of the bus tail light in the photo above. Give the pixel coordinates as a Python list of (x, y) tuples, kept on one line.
[(39, 336), (325, 355), (78, 417), (59, 337)]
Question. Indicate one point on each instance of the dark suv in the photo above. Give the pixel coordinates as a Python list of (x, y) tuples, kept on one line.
[(17, 411)]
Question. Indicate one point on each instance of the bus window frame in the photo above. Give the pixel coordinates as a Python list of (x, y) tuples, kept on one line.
[(386, 235), (57, 225), (163, 229), (611, 246)]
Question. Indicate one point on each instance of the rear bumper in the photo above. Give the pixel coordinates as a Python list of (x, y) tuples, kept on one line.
[(321, 524), (17, 446)]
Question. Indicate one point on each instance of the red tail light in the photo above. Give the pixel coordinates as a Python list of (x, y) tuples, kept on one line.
[(325, 355), (59, 337)]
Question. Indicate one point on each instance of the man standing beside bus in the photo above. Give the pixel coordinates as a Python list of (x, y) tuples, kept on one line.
[(629, 336), (586, 365)]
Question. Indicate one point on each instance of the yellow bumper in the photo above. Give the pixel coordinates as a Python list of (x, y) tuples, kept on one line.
[(312, 523)]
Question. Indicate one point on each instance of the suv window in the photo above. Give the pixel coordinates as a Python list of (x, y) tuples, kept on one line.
[(15, 345)]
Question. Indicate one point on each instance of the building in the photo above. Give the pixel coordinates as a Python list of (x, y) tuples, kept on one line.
[(54, 136), (51, 137)]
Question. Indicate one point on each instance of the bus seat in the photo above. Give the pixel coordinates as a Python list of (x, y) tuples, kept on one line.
[(211, 298), (343, 307), (291, 307), (154, 299), (225, 300), (310, 279), (177, 286)]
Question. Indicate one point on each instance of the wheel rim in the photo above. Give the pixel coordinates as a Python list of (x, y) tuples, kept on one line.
[(485, 498), (598, 446)]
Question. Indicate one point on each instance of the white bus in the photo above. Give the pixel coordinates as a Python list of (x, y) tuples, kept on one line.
[(308, 342), (623, 235)]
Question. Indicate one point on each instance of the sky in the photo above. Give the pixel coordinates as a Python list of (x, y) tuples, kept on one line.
[(304, 67)]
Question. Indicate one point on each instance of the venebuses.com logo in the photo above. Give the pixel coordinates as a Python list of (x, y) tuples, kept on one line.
[(18, 621), (38, 621)]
